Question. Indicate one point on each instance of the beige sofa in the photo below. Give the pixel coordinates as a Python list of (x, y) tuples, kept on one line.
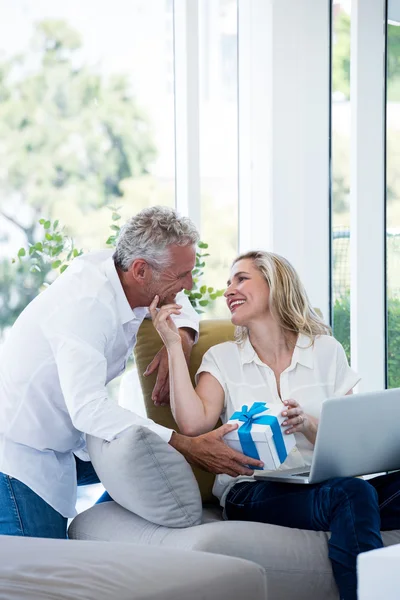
[(36, 569), (296, 561)]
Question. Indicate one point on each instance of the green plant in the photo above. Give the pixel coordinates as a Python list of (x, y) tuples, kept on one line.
[(115, 216), (201, 296), (393, 352), (341, 322), (53, 252), (56, 249)]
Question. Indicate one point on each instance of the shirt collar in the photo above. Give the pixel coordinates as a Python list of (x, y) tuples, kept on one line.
[(302, 354), (125, 311)]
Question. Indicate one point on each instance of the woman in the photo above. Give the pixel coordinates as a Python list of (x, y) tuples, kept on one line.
[(283, 354)]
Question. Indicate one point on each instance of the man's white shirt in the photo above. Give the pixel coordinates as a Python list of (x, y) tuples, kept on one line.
[(62, 351)]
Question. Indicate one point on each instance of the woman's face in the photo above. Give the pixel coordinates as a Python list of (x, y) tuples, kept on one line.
[(247, 295)]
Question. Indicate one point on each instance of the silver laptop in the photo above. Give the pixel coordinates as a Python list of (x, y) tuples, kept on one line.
[(357, 435)]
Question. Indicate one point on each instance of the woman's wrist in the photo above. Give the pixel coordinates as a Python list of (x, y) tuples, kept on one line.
[(175, 347), (311, 431)]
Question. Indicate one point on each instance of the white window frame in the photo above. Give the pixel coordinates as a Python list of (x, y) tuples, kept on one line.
[(284, 121), (187, 130), (368, 194)]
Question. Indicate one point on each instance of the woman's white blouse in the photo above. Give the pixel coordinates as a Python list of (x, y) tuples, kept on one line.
[(317, 372)]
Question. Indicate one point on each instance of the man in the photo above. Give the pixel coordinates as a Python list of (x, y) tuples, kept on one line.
[(62, 351)]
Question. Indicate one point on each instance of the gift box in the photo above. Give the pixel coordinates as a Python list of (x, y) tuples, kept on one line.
[(260, 434)]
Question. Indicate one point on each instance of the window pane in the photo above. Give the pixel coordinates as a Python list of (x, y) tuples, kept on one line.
[(218, 141), (86, 122), (393, 203), (341, 23)]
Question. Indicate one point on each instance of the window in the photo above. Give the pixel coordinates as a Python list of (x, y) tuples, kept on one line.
[(393, 203), (86, 122), (218, 141), (340, 149)]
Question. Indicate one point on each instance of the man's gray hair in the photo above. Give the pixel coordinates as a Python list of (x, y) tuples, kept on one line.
[(148, 234)]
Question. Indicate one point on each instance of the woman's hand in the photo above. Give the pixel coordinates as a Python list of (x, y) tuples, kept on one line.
[(164, 324), (298, 421)]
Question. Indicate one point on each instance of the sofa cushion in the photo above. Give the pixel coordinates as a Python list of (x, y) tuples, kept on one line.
[(39, 569), (212, 332), (148, 477), (296, 561)]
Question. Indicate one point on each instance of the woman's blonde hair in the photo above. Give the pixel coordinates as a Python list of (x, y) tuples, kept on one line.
[(288, 300)]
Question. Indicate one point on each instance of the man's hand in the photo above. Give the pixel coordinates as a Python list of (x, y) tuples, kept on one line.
[(160, 395), (209, 452)]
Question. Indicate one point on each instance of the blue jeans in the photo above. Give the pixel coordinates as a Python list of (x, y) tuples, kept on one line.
[(22, 512), (353, 510)]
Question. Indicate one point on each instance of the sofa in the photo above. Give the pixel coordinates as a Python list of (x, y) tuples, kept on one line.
[(296, 561), (35, 569)]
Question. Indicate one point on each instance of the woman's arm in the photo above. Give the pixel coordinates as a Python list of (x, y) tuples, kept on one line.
[(195, 411)]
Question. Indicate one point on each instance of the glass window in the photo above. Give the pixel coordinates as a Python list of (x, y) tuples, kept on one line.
[(393, 202), (218, 141), (340, 149), (86, 122)]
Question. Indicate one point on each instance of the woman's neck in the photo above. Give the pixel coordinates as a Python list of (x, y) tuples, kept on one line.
[(271, 343)]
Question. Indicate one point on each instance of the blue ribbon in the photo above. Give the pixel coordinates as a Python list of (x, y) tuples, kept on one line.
[(244, 432)]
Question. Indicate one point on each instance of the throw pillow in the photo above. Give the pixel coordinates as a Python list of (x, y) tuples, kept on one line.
[(148, 477)]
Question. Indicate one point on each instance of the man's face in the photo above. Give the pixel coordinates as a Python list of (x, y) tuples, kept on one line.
[(175, 278)]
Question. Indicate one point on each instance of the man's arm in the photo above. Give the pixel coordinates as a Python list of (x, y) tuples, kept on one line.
[(210, 453), (78, 334)]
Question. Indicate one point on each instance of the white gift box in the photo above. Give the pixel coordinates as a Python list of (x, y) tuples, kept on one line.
[(262, 436)]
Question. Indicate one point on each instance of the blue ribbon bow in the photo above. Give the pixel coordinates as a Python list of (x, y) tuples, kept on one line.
[(244, 432)]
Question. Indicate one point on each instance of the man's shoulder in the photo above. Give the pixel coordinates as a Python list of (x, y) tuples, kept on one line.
[(81, 293), (86, 277)]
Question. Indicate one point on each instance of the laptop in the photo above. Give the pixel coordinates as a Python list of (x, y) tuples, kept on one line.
[(357, 435)]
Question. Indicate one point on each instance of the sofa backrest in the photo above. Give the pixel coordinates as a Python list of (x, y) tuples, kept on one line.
[(212, 332)]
